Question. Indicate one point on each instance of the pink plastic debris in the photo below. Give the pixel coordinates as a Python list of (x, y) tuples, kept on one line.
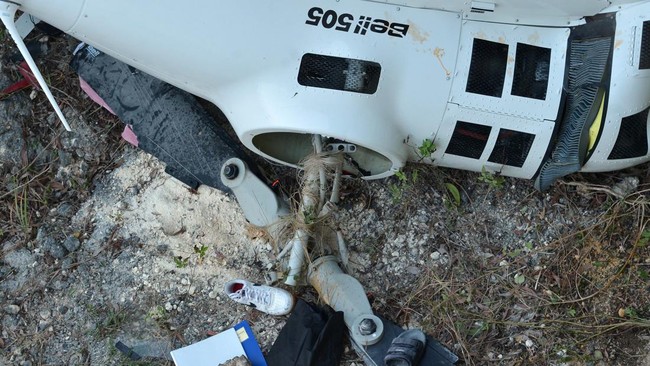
[(129, 136), (93, 95)]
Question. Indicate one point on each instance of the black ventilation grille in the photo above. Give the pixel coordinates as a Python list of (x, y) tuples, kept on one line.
[(339, 73), (644, 61), (531, 71), (512, 148), (632, 140), (468, 140), (487, 71)]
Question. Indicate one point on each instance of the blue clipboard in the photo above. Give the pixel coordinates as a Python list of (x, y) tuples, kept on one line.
[(248, 341)]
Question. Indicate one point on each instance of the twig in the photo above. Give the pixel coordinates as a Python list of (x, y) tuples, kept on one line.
[(594, 187), (27, 183)]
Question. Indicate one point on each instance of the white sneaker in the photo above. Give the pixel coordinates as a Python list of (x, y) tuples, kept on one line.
[(271, 300)]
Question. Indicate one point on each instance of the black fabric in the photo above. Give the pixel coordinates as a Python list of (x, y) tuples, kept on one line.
[(170, 123), (312, 336)]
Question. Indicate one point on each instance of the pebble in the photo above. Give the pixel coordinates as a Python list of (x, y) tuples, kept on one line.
[(185, 281), (12, 309), (435, 255), (212, 295), (45, 314), (55, 249), (64, 209), (598, 355), (42, 324), (71, 243), (529, 343), (413, 270), (170, 225), (168, 306), (75, 359)]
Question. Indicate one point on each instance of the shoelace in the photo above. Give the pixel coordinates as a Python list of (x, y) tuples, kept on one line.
[(253, 295)]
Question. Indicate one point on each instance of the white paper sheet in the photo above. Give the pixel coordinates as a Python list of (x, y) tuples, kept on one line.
[(211, 351)]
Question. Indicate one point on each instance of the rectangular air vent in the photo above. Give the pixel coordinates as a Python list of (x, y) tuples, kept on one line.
[(482, 7), (644, 61), (338, 73), (468, 140), (532, 66), (632, 140), (512, 148), (487, 70)]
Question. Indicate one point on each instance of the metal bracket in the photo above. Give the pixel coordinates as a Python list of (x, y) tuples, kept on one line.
[(341, 146), (261, 206)]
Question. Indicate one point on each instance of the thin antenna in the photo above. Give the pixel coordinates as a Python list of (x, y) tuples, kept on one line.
[(8, 14)]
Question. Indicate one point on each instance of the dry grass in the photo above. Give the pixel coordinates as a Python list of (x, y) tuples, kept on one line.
[(586, 288), (32, 188)]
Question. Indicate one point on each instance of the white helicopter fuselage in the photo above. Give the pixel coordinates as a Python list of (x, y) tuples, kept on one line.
[(488, 82)]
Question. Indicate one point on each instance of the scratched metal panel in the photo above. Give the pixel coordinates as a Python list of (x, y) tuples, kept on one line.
[(552, 38), (541, 129)]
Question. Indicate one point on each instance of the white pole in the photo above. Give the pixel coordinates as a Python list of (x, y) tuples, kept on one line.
[(8, 14)]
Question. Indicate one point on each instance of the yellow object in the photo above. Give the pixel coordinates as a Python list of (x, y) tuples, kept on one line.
[(598, 122), (241, 333)]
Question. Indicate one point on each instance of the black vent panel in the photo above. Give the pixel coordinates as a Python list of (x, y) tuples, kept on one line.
[(532, 67), (468, 140), (338, 73), (632, 140), (644, 61), (487, 71), (512, 148)]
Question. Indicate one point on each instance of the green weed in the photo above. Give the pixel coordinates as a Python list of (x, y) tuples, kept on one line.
[(201, 251), (21, 209), (454, 195), (181, 262), (491, 179), (426, 149), (404, 184), (110, 323)]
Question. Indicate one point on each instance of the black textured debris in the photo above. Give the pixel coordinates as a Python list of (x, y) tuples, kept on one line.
[(169, 122)]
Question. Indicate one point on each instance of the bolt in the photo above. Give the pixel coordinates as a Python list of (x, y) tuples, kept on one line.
[(367, 327), (231, 171)]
